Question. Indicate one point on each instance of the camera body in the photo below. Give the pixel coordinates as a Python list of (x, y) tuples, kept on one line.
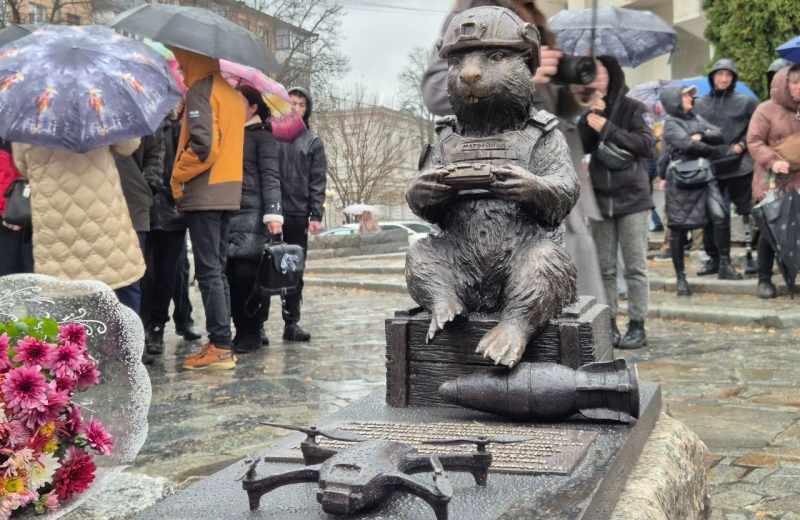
[(575, 70)]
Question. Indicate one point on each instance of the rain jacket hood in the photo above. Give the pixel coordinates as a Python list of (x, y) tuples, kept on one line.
[(309, 108), (672, 101), (774, 67), (195, 66), (724, 64), (616, 79), (779, 93)]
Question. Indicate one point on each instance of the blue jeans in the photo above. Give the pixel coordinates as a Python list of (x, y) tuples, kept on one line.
[(131, 296)]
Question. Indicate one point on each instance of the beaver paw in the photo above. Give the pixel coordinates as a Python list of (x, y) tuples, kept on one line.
[(442, 314), (505, 343)]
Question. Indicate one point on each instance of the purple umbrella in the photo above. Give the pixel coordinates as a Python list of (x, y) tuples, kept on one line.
[(81, 88)]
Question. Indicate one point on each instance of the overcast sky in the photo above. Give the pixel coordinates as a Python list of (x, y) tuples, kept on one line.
[(380, 34)]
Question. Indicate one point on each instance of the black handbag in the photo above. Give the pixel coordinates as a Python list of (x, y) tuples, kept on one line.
[(18, 204), (613, 157), (728, 164), (279, 273), (693, 174)]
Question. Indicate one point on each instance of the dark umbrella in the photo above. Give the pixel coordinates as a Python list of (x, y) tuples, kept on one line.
[(632, 37), (779, 220), (81, 88), (15, 32), (198, 30)]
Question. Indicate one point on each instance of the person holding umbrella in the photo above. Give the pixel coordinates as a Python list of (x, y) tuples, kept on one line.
[(368, 224), (774, 122), (260, 213)]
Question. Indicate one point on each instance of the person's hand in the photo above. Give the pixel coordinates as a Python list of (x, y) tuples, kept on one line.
[(596, 122), (599, 105), (314, 227), (739, 149), (12, 227), (428, 189), (548, 67), (780, 167), (513, 183), (276, 228), (697, 137), (662, 185)]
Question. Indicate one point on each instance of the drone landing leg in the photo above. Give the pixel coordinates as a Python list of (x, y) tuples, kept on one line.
[(258, 488)]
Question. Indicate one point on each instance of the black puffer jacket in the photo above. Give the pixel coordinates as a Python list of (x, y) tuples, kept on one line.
[(261, 192), (620, 192), (163, 215), (731, 112), (686, 209), (140, 174), (304, 172)]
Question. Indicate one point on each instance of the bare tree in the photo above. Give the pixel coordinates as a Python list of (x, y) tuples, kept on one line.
[(371, 149), (411, 101), (11, 13)]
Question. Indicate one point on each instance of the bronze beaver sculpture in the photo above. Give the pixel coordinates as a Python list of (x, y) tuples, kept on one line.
[(499, 182)]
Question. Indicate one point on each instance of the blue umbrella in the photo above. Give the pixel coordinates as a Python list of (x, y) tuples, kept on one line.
[(81, 88), (632, 37), (703, 86), (790, 50)]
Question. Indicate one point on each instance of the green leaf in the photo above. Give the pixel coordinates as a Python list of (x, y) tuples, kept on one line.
[(50, 328), (22, 327)]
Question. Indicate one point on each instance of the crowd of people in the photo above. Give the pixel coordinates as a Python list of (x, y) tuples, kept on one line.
[(121, 214)]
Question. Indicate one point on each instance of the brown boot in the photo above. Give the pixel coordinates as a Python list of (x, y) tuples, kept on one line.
[(212, 358)]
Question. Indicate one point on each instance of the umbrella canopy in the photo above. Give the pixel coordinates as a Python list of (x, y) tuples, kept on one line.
[(15, 32), (779, 220), (632, 37), (704, 87), (359, 209), (174, 67), (198, 30), (790, 50), (287, 125), (78, 88), (649, 93)]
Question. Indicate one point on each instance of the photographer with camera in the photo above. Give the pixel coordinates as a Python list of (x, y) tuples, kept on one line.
[(564, 87)]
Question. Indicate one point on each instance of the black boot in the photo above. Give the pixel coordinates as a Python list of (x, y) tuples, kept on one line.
[(750, 265), (264, 338), (677, 241), (148, 359), (767, 290), (293, 332), (635, 337), (615, 337), (154, 340), (187, 331), (246, 343), (711, 267), (722, 236)]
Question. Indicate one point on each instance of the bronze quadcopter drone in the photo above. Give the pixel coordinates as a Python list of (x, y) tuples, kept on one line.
[(364, 474)]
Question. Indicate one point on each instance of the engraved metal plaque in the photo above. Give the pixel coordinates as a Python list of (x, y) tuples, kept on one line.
[(551, 451)]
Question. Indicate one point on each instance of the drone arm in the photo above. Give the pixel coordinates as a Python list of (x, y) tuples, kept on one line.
[(315, 454), (258, 488), (474, 463), (436, 500)]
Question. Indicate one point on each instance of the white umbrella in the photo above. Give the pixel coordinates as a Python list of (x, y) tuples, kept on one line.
[(359, 209)]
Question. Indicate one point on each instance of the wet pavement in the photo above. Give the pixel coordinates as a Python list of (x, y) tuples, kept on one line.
[(736, 387)]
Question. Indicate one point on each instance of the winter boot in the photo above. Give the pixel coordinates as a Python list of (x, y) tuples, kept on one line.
[(246, 343), (615, 336), (749, 265), (187, 331), (767, 290), (711, 267), (154, 341), (678, 262), (722, 236), (148, 359), (293, 332), (635, 337)]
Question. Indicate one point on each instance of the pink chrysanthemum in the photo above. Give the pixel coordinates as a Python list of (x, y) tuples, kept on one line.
[(72, 333), (19, 460), (18, 434), (31, 351), (74, 420), (5, 363), (88, 375), (56, 403), (51, 501), (65, 385), (67, 361), (24, 388), (75, 475), (97, 437)]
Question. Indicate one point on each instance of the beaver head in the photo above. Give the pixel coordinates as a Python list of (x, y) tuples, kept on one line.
[(490, 89)]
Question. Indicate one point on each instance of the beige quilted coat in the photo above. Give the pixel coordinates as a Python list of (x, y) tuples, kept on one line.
[(81, 226)]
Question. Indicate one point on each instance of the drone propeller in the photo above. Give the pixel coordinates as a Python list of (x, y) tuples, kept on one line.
[(440, 480), (249, 465), (330, 433), (481, 442)]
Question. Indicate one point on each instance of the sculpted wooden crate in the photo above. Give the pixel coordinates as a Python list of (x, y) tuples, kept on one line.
[(415, 369)]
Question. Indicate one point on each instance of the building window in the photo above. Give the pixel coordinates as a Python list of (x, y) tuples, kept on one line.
[(72, 19), (283, 39), (37, 13), (265, 34)]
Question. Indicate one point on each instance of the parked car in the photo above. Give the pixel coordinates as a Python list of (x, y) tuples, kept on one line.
[(416, 229), (339, 231)]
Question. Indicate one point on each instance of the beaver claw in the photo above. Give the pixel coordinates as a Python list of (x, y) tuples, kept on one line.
[(505, 343), (442, 314)]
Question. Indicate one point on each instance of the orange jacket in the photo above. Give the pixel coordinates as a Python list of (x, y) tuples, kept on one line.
[(208, 166)]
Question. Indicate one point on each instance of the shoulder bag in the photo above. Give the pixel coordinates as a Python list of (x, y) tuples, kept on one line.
[(613, 157), (693, 174), (18, 204)]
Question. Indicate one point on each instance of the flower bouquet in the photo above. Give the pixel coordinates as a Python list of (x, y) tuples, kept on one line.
[(46, 447)]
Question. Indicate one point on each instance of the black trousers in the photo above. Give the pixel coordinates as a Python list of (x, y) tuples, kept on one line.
[(182, 314), (16, 251), (739, 191), (242, 275), (766, 259), (295, 231), (163, 256)]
